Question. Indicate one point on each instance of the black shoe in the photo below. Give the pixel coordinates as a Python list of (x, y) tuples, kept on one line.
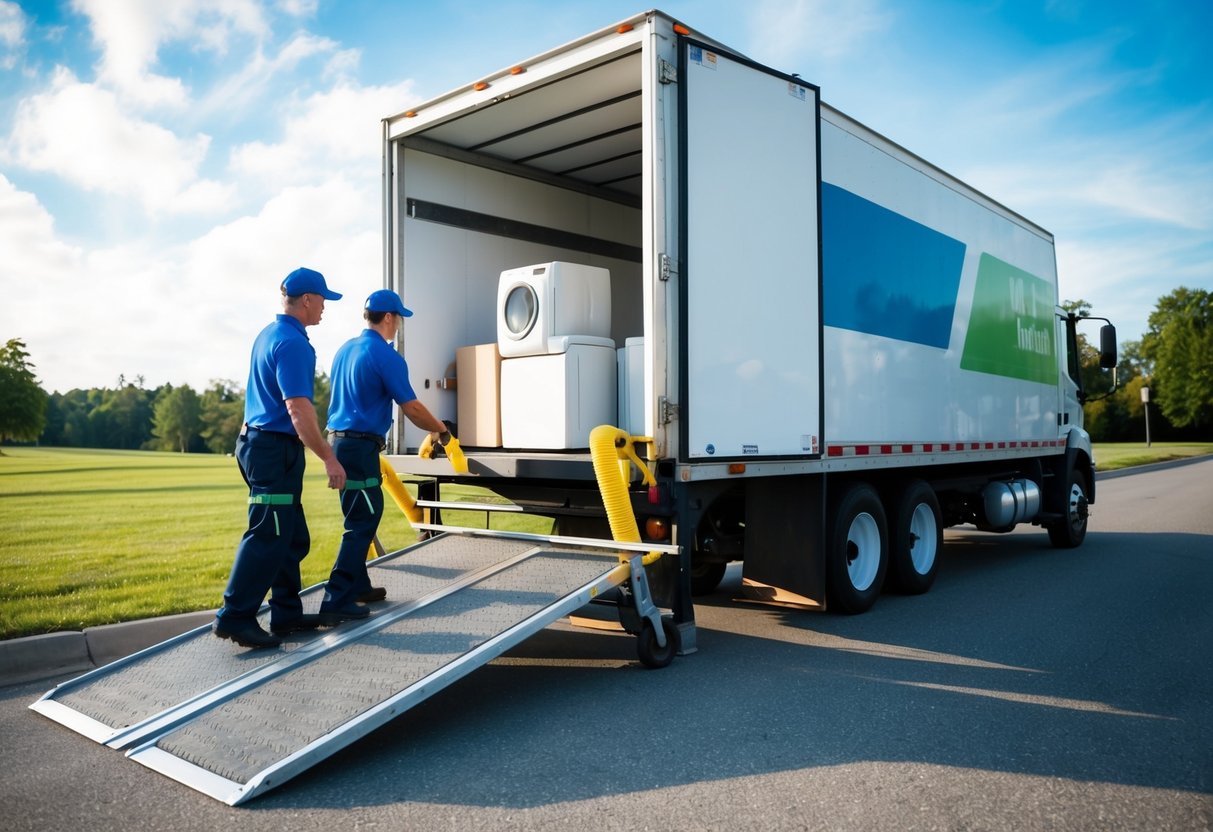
[(375, 593), (246, 634), (307, 621), (350, 612)]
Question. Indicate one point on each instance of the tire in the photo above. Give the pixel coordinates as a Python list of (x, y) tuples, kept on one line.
[(705, 577), (857, 550), (650, 654), (915, 538), (1071, 531)]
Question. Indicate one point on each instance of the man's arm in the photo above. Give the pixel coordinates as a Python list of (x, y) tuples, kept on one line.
[(420, 416), (303, 417)]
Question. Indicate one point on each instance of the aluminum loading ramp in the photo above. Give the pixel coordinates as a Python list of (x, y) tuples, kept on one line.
[(233, 723)]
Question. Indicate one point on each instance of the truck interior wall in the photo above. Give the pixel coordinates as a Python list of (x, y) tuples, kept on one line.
[(449, 274)]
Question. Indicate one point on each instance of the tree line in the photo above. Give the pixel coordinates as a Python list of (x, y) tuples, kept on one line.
[(1174, 359)]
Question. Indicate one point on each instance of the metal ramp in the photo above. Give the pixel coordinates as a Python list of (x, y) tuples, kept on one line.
[(233, 723)]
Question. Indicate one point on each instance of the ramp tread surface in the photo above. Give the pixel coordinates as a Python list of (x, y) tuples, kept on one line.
[(165, 678), (260, 727)]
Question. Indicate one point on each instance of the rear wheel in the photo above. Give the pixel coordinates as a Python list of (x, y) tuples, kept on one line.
[(856, 550), (1071, 530), (915, 538)]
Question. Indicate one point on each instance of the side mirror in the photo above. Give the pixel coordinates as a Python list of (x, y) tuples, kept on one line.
[(1107, 347)]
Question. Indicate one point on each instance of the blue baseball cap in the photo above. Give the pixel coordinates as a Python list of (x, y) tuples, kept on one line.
[(308, 282), (385, 300)]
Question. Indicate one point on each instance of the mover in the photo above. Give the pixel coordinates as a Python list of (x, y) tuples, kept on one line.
[(832, 348)]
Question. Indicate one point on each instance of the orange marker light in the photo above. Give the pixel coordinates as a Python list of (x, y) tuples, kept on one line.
[(480, 85), (657, 528), (737, 468), (518, 70), (624, 28), (410, 114), (681, 30)]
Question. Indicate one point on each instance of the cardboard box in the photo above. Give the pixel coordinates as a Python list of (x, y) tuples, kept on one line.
[(478, 395)]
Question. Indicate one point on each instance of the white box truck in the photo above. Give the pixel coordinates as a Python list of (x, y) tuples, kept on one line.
[(837, 348)]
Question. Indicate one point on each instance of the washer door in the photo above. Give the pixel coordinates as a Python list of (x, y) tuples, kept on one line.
[(520, 310)]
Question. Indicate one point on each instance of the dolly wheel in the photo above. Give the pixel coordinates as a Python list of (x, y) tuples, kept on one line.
[(651, 655)]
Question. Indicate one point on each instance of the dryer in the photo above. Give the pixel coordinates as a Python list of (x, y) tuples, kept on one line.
[(540, 306)]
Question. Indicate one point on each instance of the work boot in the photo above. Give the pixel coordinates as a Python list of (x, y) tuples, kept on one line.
[(245, 633), (375, 593), (307, 621), (350, 612)]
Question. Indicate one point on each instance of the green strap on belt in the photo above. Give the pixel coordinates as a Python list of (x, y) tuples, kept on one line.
[(360, 485), (271, 499)]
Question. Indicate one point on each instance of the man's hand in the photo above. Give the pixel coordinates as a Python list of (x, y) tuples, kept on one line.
[(335, 473)]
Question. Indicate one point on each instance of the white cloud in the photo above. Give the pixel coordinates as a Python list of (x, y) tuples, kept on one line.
[(78, 131), (783, 32), (12, 33), (340, 126), (187, 313), (238, 92), (130, 35)]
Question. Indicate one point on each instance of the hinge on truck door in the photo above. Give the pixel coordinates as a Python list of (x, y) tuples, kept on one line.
[(667, 73), (665, 267), (667, 411)]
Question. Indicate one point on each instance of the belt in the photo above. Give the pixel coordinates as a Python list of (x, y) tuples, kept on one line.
[(379, 441), (277, 433)]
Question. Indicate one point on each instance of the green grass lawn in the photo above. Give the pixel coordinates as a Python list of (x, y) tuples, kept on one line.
[(93, 537)]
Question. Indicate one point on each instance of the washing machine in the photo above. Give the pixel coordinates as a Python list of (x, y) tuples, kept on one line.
[(552, 402), (537, 305)]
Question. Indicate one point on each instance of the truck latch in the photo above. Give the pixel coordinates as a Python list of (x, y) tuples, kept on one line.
[(667, 73)]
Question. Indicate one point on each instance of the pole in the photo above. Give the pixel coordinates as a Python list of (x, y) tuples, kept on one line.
[(1145, 406)]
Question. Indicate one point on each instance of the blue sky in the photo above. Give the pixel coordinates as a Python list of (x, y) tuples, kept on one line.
[(164, 163)]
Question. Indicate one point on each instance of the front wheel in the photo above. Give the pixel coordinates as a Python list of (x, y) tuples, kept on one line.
[(1071, 530), (856, 550), (650, 654)]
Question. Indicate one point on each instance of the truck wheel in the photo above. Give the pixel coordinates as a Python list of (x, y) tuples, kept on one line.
[(705, 577), (646, 644), (1071, 530), (915, 538), (856, 550)]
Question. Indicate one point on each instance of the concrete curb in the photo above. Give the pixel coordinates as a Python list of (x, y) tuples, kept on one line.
[(56, 654)]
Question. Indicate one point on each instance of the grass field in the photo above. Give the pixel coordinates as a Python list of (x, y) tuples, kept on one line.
[(92, 537)]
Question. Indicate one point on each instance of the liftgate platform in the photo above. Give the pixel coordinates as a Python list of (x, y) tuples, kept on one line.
[(233, 723)]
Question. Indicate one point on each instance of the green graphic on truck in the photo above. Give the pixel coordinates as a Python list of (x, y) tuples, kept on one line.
[(1011, 330)]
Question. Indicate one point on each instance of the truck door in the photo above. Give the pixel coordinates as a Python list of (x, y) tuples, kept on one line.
[(750, 256)]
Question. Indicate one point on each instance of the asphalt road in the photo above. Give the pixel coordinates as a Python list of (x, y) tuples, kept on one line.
[(1030, 689)]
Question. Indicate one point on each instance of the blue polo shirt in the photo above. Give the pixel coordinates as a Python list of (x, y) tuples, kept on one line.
[(368, 375), (283, 366)]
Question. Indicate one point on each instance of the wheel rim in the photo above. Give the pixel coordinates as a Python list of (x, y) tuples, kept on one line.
[(1077, 511), (863, 551), (925, 538)]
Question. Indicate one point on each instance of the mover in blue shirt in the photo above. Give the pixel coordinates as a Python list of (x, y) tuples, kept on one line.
[(368, 376), (279, 421)]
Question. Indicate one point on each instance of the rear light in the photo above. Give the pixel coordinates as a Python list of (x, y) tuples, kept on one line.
[(657, 528)]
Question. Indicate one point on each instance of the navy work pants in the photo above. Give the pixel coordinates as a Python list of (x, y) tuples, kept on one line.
[(277, 539), (362, 505)]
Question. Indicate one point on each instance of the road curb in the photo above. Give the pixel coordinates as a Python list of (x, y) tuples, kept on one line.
[(56, 654)]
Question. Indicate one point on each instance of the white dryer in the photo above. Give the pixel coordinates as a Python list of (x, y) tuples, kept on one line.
[(537, 305)]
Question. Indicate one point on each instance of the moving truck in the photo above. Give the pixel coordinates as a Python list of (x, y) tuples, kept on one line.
[(832, 348)]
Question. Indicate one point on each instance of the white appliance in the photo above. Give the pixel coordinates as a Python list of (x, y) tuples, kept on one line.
[(554, 401), (537, 305), (631, 386)]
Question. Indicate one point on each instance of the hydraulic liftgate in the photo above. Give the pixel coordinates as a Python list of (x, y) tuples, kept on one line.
[(233, 723)]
